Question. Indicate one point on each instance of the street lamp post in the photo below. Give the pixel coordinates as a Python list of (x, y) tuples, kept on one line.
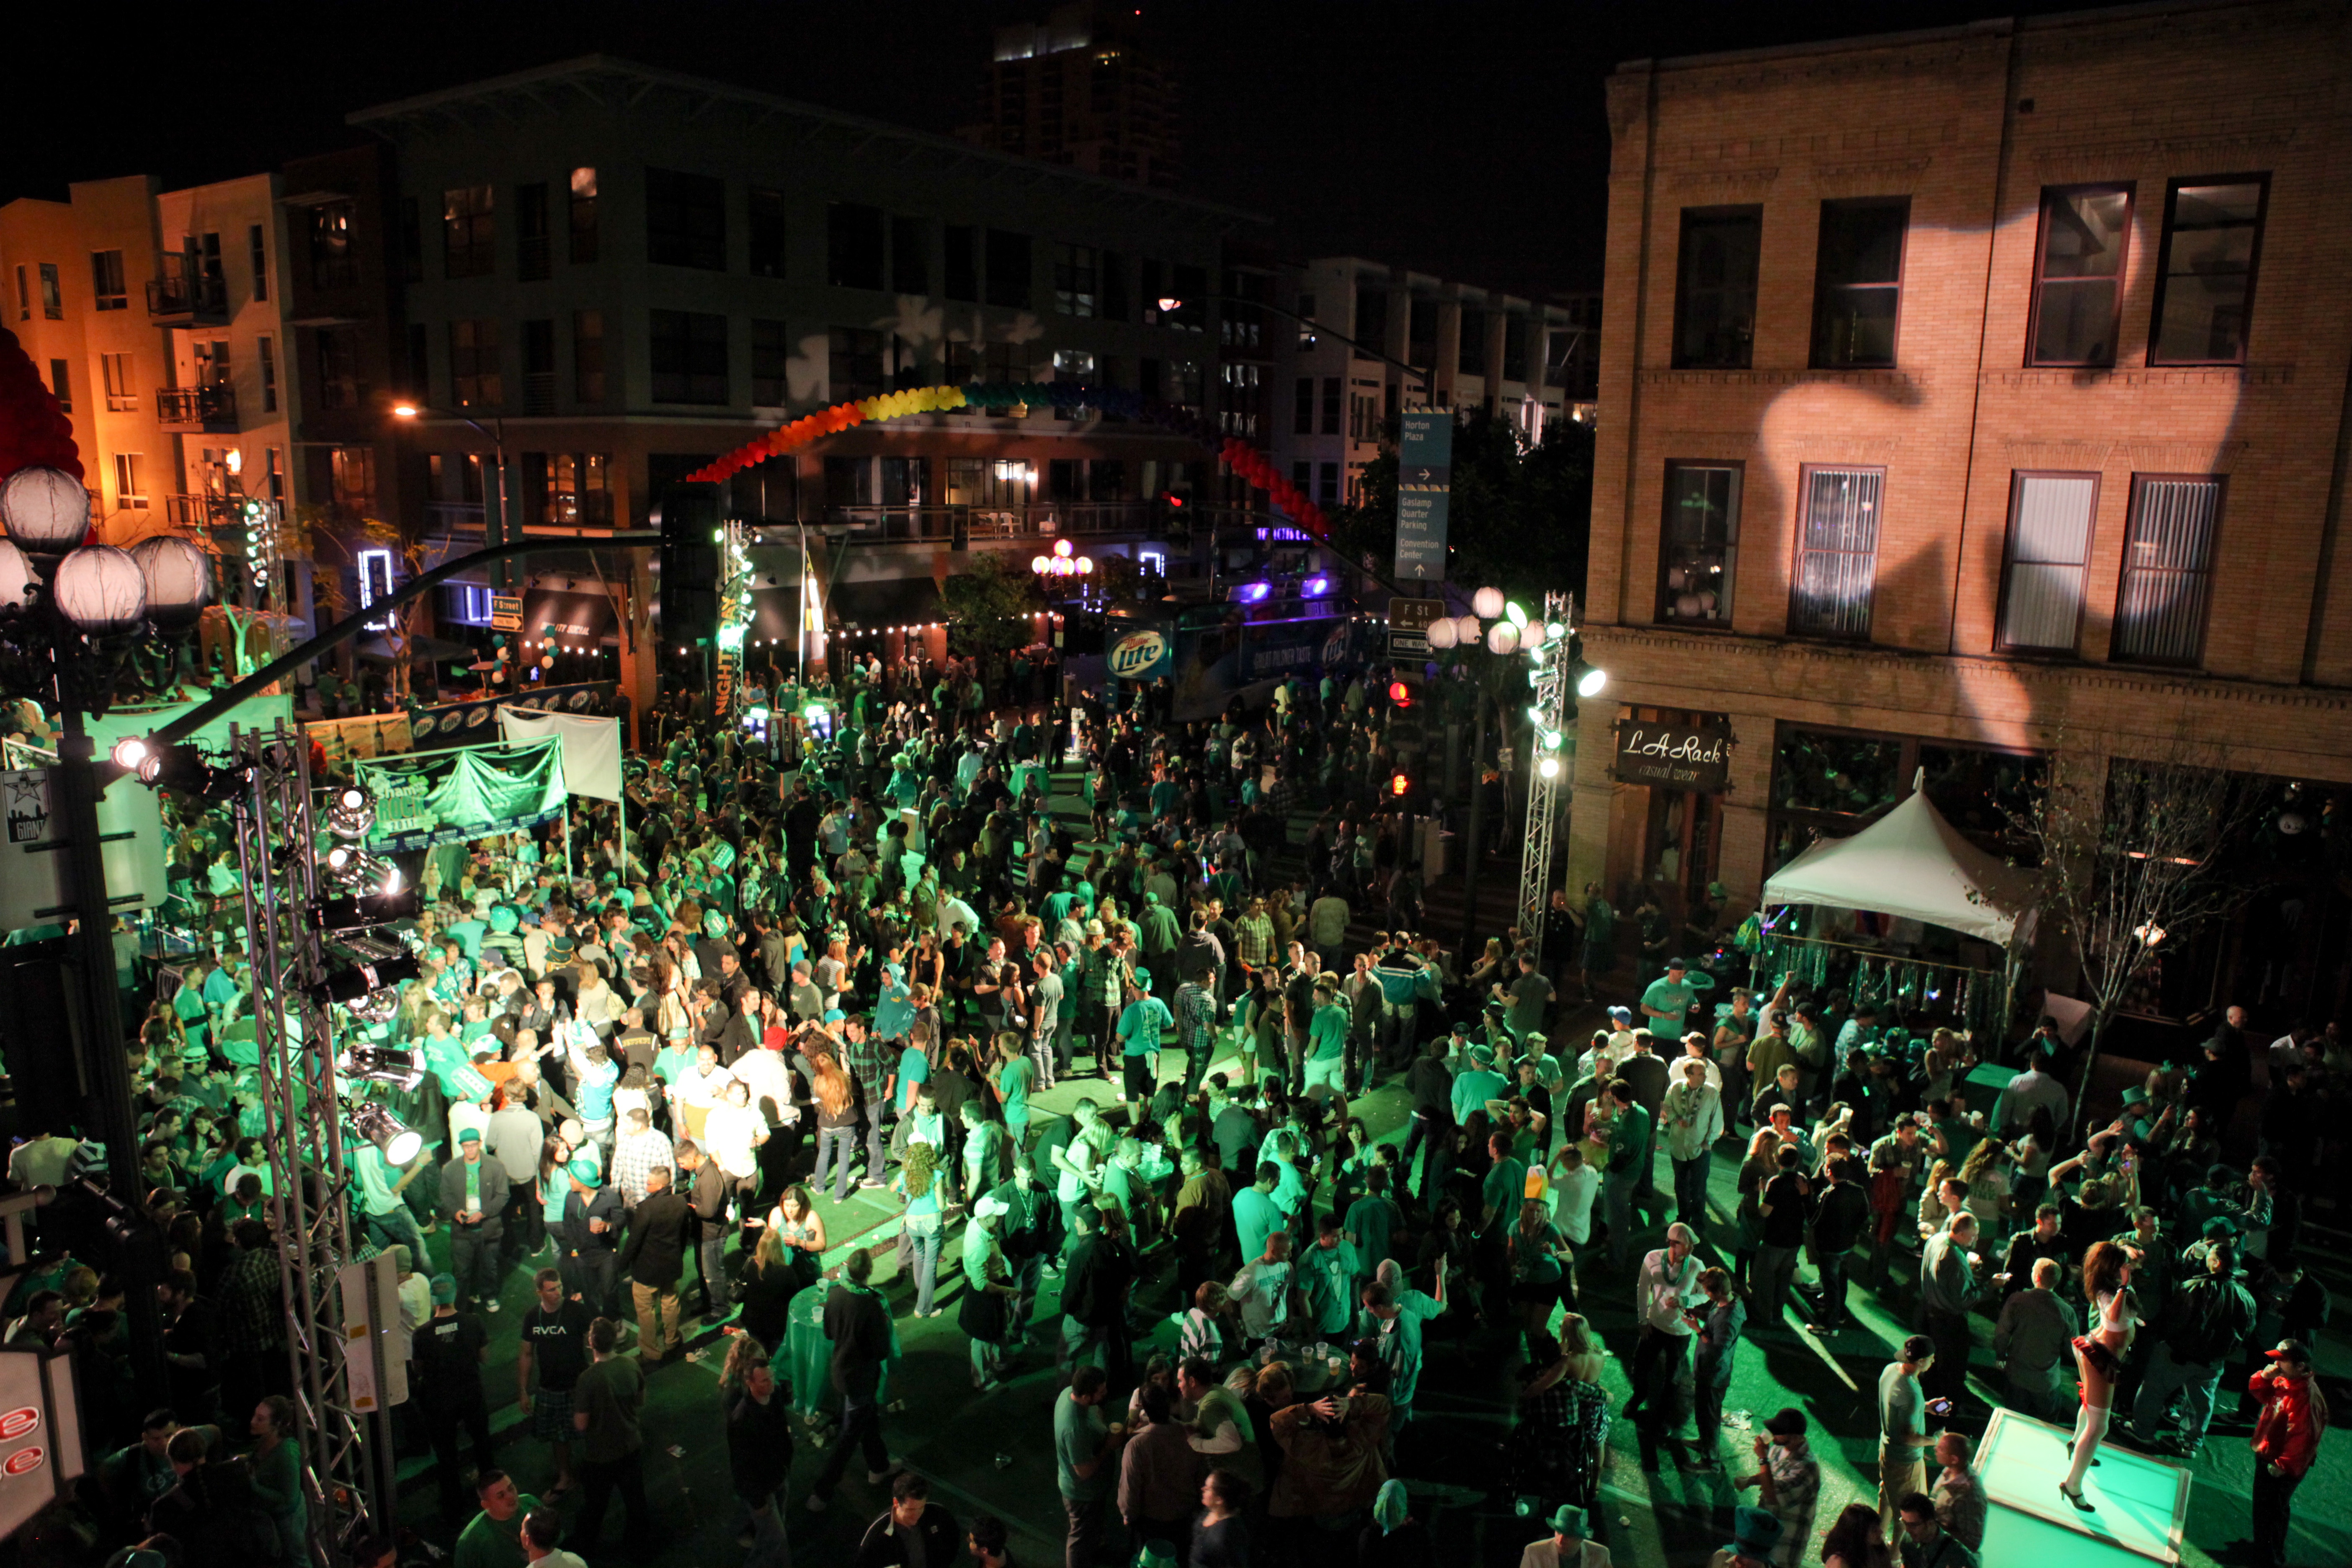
[(494, 512), (70, 613)]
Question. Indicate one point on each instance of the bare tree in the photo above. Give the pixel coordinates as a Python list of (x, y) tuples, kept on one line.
[(2132, 863)]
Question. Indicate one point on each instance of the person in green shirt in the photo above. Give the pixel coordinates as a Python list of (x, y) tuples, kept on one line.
[(1085, 1460), (1141, 1025), (1629, 1156), (1667, 1000), (1327, 1038), (1499, 1194), (494, 1537)]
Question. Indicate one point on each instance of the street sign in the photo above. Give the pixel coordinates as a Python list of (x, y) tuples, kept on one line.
[(1424, 485), (506, 612), (1409, 623)]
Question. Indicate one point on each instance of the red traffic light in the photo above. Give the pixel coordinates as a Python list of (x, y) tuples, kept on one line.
[(1399, 784), (1401, 695)]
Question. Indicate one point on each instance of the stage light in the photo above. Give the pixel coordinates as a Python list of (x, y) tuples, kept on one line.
[(398, 1142), (360, 912), (352, 813), (130, 750), (181, 768), (1590, 680), (1548, 767), (361, 873), (1314, 588)]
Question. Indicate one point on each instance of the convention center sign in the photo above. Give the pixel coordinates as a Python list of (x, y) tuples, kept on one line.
[(1674, 756), (461, 793)]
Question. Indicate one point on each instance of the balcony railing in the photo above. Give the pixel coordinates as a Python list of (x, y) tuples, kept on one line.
[(1036, 519), (178, 297), (196, 408)]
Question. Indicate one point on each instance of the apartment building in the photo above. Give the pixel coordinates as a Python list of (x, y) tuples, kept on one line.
[(1467, 347), (1083, 88), (1973, 402), (156, 317)]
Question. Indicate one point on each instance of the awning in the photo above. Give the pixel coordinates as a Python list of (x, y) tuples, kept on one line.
[(575, 618), (1913, 864), (883, 603)]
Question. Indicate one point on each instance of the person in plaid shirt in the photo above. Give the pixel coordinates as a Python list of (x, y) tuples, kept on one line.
[(1253, 935), (642, 1148), (872, 1063), (1196, 1030)]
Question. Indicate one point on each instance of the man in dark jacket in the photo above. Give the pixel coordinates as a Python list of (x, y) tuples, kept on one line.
[(915, 1531), (1841, 1214), (707, 1190), (592, 1231), (474, 1194), (859, 1327), (2205, 1324), (447, 1354), (1102, 1272), (654, 1258)]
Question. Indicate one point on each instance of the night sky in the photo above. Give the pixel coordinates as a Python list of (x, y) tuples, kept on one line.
[(1459, 138)]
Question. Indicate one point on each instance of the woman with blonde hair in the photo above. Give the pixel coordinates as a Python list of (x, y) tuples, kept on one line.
[(918, 1181), (1557, 1445)]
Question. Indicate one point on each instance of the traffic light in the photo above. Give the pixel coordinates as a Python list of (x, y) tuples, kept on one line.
[(1401, 695), (1400, 785), (690, 563)]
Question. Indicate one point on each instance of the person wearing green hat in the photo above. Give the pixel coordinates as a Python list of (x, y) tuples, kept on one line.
[(1755, 1540), (1570, 1545), (591, 1225), (473, 1196)]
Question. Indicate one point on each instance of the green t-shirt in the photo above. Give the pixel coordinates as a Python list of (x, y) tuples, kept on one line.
[(488, 1543), (1141, 1026), (1504, 1186), (1078, 1437), (1669, 997), (1014, 1078), (1326, 1032)]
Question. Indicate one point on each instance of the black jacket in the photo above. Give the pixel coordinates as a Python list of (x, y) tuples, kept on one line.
[(2208, 1319), (859, 1327), (758, 1444), (1101, 1273), (937, 1542), (494, 1191), (655, 1254)]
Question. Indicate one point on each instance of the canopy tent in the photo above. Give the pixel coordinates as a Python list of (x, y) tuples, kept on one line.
[(589, 746), (1912, 864)]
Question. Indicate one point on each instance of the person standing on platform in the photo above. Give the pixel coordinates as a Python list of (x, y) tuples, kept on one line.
[(2286, 1439)]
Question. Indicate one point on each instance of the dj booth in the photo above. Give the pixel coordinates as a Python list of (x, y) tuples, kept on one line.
[(2140, 1505)]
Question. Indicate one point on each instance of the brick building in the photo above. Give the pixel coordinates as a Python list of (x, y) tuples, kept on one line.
[(1974, 401)]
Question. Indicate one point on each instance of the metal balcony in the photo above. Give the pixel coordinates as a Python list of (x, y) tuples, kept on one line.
[(207, 408), (176, 300)]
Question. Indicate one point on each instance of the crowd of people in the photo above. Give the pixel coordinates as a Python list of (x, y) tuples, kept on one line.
[(760, 1077)]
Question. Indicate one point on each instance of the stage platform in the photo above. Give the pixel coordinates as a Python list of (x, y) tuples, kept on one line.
[(2141, 1504)]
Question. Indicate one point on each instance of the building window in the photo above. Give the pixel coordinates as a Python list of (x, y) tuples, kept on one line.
[(468, 231), (910, 259), (53, 297), (1698, 544), (539, 366), (1515, 349), (583, 215), (1114, 286), (767, 233), (2048, 557), (1470, 345), (588, 355), (474, 380), (534, 247), (1714, 287), (331, 245), (575, 488), (689, 357), (1009, 269), (854, 363), (1858, 281), (24, 296), (2168, 574), (1327, 484), (2079, 275), (1421, 335), (1332, 400), (1307, 338), (1302, 412), (130, 490), (1076, 276), (849, 481), (412, 242), (853, 245), (771, 351), (61, 385), (2205, 282), (107, 280), (1372, 318), (1837, 552), (342, 384), (961, 281), (121, 393), (274, 474), (685, 220), (1302, 474), (267, 350), (419, 367), (257, 250), (1192, 286)]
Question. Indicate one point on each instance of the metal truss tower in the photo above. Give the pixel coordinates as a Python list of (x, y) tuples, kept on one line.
[(276, 842), (1549, 683)]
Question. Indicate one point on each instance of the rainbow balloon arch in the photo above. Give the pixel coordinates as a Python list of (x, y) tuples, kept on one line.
[(1238, 456)]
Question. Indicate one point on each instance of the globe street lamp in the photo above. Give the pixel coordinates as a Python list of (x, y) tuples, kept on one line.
[(71, 612)]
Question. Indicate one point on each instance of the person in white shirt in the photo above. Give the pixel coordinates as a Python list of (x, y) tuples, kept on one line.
[(1569, 1545), (733, 1134), (1259, 1289), (541, 1529), (1693, 1117), (1574, 1185), (1663, 1298)]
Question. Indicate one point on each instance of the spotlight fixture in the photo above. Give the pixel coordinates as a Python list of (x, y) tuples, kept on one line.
[(362, 965), (361, 873), (131, 751), (182, 769), (352, 813), (398, 1142), (361, 910), (382, 1066)]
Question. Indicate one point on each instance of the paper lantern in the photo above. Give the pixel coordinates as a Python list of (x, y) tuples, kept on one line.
[(1502, 638), (1487, 604), (16, 576), (46, 511), (178, 579), (1466, 631), (1443, 632), (102, 589)]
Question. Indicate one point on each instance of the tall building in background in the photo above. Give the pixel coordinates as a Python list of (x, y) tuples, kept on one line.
[(1973, 411), (1082, 89)]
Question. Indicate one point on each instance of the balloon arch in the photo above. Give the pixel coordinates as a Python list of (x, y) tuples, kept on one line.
[(1237, 455)]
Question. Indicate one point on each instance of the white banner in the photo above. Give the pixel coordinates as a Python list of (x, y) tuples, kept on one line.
[(591, 746)]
